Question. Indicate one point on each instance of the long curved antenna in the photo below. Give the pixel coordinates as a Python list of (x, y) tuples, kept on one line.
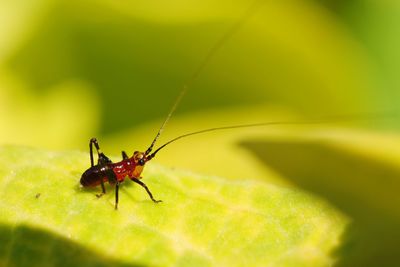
[(228, 34), (330, 119), (222, 128), (167, 119)]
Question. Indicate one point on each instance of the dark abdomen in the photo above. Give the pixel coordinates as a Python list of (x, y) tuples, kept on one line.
[(93, 176)]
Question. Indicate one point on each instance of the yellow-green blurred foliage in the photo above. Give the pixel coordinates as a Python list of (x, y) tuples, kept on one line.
[(75, 69), (71, 70)]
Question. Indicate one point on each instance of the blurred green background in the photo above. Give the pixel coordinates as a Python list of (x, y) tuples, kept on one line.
[(75, 69), (72, 70)]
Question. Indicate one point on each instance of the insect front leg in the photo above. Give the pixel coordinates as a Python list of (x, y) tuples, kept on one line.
[(147, 189), (102, 160)]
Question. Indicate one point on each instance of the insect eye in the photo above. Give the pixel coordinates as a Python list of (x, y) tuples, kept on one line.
[(141, 162)]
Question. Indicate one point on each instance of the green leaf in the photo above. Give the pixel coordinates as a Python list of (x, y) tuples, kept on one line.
[(47, 219), (359, 173)]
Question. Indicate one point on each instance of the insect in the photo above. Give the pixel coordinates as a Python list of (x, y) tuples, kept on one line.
[(115, 173)]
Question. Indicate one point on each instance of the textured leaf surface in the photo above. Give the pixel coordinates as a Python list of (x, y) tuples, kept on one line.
[(47, 219)]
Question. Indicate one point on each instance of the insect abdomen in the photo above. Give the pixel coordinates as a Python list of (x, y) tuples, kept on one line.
[(94, 175)]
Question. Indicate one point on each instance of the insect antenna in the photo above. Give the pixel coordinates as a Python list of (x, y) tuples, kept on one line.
[(224, 38), (331, 119), (222, 128)]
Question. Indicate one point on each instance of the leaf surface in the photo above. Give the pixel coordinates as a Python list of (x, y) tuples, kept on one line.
[(47, 219), (359, 173)]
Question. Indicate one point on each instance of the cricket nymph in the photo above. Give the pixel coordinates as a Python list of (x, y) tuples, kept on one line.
[(115, 173)]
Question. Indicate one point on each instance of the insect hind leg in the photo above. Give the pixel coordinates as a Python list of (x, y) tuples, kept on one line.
[(102, 160)]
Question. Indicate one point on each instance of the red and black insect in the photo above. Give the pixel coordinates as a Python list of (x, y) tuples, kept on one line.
[(115, 173), (132, 167)]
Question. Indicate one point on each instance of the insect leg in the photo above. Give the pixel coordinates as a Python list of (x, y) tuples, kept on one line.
[(92, 141), (103, 189), (102, 159), (147, 189), (124, 155), (116, 194)]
